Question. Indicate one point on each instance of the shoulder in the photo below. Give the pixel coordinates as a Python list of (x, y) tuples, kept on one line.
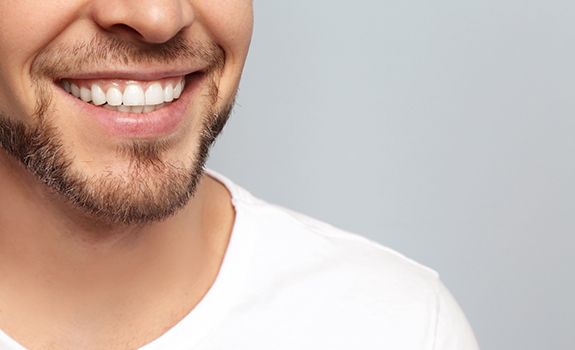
[(330, 279), (288, 246), (296, 238)]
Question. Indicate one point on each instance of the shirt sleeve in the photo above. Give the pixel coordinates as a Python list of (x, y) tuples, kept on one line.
[(452, 331)]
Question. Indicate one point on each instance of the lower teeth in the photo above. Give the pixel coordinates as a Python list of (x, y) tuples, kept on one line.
[(133, 109)]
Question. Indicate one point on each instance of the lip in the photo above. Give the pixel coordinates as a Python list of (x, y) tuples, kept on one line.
[(127, 74), (156, 124)]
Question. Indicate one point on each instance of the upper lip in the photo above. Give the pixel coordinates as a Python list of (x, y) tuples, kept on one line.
[(148, 73)]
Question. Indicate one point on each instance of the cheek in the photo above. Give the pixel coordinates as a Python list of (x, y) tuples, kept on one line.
[(230, 23), (26, 27)]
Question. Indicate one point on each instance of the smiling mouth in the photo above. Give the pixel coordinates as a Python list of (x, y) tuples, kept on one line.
[(123, 105), (128, 96)]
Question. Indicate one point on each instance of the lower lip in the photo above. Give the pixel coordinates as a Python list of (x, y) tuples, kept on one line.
[(159, 123)]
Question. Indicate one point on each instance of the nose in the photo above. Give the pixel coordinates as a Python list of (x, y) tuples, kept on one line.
[(150, 21)]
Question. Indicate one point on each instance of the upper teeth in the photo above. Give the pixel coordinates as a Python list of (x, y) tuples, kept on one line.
[(133, 95)]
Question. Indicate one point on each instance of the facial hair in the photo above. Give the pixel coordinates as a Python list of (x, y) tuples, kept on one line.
[(153, 189)]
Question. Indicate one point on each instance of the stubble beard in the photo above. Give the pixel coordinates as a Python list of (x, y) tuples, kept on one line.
[(152, 189)]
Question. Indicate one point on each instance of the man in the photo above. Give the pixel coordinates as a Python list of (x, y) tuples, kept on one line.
[(113, 237)]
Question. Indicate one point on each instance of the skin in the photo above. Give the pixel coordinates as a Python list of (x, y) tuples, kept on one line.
[(69, 280)]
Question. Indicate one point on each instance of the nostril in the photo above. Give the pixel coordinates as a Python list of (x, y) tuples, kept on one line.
[(144, 21), (124, 30), (133, 34), (121, 28)]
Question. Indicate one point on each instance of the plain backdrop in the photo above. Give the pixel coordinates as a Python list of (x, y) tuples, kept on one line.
[(443, 129)]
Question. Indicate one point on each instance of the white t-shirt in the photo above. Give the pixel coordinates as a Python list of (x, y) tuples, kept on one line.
[(291, 282)]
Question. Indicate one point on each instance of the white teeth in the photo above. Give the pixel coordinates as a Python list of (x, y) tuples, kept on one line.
[(67, 86), (133, 99), (133, 109), (137, 109), (178, 89), (154, 94), (85, 94), (123, 108), (75, 90), (133, 95), (98, 95), (168, 93), (114, 96)]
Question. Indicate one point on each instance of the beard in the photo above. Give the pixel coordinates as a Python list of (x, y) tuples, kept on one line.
[(151, 189)]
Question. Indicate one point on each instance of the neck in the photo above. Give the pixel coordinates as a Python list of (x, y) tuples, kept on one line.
[(55, 261)]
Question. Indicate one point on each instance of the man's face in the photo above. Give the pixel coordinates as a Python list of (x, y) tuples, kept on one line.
[(114, 103)]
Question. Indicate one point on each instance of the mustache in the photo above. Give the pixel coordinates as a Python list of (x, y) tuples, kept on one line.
[(108, 51)]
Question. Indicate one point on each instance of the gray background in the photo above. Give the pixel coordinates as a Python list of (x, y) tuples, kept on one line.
[(444, 129)]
